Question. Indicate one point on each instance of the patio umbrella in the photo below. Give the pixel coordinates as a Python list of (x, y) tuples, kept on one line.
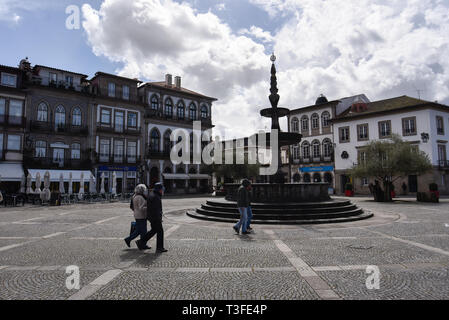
[(61, 184), (102, 191), (92, 186), (45, 195), (22, 184), (81, 192), (70, 183), (29, 178), (38, 190), (114, 183)]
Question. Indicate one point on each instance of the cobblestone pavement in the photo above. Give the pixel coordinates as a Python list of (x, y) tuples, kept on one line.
[(407, 241)]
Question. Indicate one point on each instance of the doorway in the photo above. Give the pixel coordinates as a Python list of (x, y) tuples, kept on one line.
[(413, 183)]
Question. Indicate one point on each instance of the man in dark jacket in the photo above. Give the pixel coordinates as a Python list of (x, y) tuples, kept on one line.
[(154, 215), (243, 204)]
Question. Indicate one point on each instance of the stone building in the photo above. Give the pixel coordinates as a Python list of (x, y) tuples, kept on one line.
[(169, 106), (13, 118)]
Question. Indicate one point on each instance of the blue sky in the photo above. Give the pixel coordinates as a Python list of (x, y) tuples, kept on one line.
[(221, 48)]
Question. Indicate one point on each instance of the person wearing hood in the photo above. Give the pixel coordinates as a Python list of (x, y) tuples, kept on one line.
[(139, 207), (154, 214), (243, 204)]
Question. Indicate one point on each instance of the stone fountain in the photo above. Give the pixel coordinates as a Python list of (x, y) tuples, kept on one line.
[(278, 202)]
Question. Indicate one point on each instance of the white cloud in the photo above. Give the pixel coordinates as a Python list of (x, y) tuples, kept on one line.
[(258, 33), (340, 48)]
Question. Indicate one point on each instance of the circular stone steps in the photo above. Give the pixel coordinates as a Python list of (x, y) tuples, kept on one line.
[(332, 211)]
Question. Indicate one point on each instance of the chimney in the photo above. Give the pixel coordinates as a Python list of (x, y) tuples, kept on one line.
[(168, 80), (178, 82)]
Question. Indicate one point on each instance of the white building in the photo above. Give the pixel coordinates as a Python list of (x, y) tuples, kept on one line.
[(422, 123), (312, 160)]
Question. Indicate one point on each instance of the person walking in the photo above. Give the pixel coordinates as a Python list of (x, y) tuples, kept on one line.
[(139, 207), (154, 214), (249, 211), (243, 204)]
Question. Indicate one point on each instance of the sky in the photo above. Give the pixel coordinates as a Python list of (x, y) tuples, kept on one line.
[(222, 48)]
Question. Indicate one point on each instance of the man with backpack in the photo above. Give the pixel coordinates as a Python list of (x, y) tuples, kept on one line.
[(154, 215)]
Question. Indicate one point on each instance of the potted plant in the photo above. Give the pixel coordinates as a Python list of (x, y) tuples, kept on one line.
[(349, 190)]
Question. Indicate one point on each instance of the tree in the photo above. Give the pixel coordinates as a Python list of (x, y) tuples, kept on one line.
[(388, 160), (233, 171)]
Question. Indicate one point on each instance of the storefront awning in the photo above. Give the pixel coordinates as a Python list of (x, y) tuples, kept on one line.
[(199, 176), (54, 174), (11, 172), (175, 176)]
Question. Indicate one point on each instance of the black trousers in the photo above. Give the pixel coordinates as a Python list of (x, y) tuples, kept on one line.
[(156, 228)]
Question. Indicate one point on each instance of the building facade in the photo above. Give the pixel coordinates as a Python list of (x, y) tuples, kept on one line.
[(422, 123), (62, 122), (13, 119)]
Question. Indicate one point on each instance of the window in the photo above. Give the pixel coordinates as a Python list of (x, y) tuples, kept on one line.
[(316, 149), (119, 122), (125, 92), (325, 119), (42, 112), (384, 129), (344, 134), (76, 119), (295, 125), (41, 149), (315, 122), (304, 124), (132, 151), (118, 151), (362, 132), (2, 110), (361, 156), (1, 145), (111, 89), (154, 141), (106, 116), (14, 143), (76, 151), (104, 150), (296, 152), (440, 125), (409, 126), (327, 148), (204, 112), (305, 150), (364, 182), (167, 142), (69, 81), (9, 80), (58, 156), (181, 110), (154, 102), (192, 111), (442, 153), (53, 78), (132, 120), (15, 111), (168, 110), (60, 117)]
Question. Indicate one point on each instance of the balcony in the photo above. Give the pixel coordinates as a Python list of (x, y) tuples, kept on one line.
[(12, 121), (48, 127), (321, 159), (157, 114), (119, 130), (156, 154), (60, 84), (118, 159), (51, 163), (443, 164)]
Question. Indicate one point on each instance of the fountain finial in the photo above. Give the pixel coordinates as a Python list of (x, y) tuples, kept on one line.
[(273, 58)]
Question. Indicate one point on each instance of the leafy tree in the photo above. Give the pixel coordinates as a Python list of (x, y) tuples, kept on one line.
[(390, 159), (233, 171)]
